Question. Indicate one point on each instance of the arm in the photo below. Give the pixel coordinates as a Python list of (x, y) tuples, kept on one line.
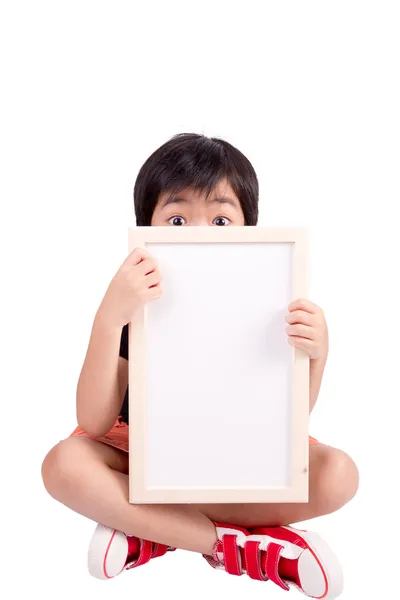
[(317, 366), (103, 378), (307, 330)]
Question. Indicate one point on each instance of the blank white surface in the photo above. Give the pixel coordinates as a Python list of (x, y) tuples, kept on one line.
[(232, 428)]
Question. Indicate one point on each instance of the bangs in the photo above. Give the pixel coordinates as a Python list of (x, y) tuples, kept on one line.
[(202, 166)]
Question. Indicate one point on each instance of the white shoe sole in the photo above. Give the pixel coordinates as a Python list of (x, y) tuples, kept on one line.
[(317, 565), (108, 550)]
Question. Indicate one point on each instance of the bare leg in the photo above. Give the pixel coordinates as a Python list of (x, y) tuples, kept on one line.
[(333, 483), (92, 479)]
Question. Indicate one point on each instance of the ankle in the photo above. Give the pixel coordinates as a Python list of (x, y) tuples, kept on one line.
[(210, 544)]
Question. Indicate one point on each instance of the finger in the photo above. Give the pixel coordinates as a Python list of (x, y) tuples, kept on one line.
[(303, 331), (299, 316), (136, 256), (303, 304), (153, 279), (154, 292), (148, 265)]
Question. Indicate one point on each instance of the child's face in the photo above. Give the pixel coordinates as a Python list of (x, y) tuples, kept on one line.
[(193, 207)]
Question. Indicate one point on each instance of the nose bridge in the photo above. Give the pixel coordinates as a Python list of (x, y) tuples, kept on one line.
[(199, 215)]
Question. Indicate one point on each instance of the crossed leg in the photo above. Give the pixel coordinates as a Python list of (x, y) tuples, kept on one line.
[(92, 479), (333, 482)]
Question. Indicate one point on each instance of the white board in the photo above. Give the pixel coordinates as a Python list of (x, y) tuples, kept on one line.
[(213, 415)]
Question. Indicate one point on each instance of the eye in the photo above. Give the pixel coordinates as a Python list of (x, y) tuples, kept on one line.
[(221, 221), (177, 221)]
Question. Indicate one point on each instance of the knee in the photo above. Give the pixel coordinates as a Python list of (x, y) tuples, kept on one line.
[(59, 467), (338, 480)]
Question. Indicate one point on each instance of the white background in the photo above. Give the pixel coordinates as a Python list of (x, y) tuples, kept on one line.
[(310, 92)]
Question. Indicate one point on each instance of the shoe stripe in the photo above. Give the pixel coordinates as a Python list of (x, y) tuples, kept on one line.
[(159, 550), (253, 565), (231, 555), (146, 549), (271, 564), (106, 555)]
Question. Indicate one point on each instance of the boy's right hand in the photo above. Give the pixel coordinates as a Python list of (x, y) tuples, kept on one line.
[(136, 282)]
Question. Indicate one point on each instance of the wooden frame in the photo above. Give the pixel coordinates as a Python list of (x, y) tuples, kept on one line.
[(297, 491)]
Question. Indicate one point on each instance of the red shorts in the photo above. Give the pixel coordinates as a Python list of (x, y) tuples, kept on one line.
[(118, 436)]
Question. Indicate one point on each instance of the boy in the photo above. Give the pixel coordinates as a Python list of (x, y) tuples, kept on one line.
[(190, 180)]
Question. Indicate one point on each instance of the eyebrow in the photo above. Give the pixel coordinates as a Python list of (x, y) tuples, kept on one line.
[(173, 199)]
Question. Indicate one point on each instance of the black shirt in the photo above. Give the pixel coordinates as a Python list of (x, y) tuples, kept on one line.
[(123, 351)]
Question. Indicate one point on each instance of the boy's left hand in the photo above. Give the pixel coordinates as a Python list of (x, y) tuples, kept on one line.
[(307, 328)]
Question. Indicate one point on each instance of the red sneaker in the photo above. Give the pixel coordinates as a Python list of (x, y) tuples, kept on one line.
[(284, 555), (111, 552)]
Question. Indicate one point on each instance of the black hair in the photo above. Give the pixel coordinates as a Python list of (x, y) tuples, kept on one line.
[(194, 160)]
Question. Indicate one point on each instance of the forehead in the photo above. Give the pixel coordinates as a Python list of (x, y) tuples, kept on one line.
[(222, 193)]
